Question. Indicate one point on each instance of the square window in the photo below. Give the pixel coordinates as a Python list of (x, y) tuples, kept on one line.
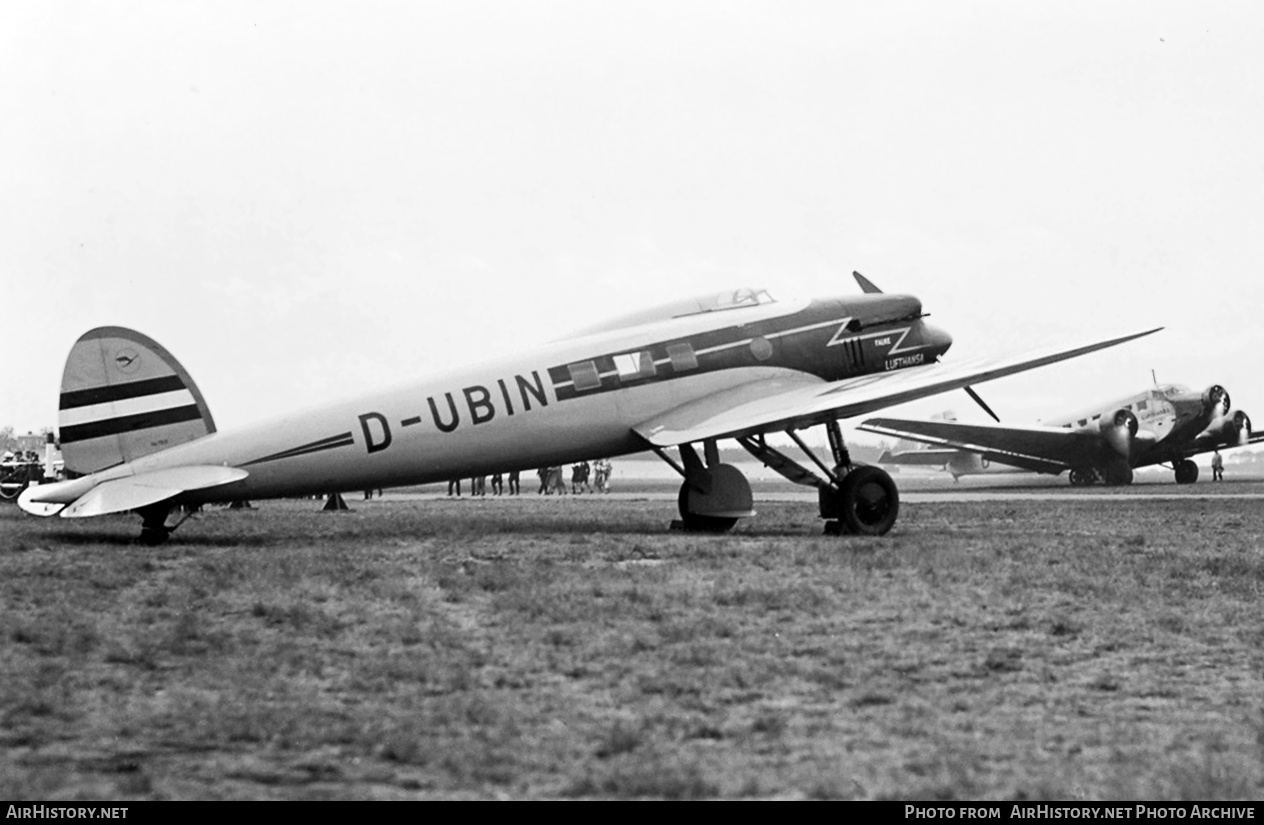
[(633, 365), (585, 376), (682, 357)]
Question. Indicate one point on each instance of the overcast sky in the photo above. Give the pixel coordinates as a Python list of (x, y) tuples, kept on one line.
[(304, 200)]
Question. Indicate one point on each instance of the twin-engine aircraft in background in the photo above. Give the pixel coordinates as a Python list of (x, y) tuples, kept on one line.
[(738, 364), (1163, 425)]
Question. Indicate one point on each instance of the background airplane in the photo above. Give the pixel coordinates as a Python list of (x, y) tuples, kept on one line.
[(737, 364), (1162, 425)]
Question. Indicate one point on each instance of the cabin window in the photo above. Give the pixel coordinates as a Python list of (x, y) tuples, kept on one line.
[(1099, 415), (634, 365), (682, 357), (585, 376), (1083, 422), (1141, 405)]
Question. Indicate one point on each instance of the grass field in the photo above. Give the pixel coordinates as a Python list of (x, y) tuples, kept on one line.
[(544, 648)]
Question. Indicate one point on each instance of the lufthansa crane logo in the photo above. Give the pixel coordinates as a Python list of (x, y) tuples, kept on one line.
[(127, 360)]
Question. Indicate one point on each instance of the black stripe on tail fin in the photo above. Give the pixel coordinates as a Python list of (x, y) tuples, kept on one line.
[(124, 396)]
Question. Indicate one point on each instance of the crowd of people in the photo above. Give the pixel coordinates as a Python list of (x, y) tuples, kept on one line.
[(552, 481)]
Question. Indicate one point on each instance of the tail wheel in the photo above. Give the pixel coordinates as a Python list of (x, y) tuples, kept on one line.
[(153, 529), (866, 503), (1186, 472)]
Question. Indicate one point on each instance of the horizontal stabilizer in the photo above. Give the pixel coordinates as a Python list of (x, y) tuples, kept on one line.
[(119, 495)]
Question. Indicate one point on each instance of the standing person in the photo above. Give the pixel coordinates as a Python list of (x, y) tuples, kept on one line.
[(513, 483), (1217, 467), (556, 483), (577, 477), (478, 485), (455, 484), (543, 473), (498, 484)]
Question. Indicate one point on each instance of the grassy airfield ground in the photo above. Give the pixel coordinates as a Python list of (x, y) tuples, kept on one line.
[(542, 648)]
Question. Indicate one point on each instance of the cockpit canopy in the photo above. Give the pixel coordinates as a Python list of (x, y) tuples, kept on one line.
[(732, 299), (714, 302), (1170, 391)]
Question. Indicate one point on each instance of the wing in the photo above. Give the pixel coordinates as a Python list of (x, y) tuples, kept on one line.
[(1206, 442), (1042, 449), (777, 404)]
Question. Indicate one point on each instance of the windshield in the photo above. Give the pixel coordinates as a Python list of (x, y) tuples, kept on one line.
[(1173, 390), (732, 299)]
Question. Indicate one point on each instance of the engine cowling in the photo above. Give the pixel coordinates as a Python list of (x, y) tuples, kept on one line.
[(965, 464), (1236, 431), (1118, 430), (1216, 401)]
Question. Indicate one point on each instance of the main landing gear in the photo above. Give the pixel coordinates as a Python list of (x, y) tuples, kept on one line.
[(1112, 474), (1186, 471), (855, 499)]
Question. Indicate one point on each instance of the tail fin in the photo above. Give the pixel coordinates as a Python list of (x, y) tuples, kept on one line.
[(124, 396)]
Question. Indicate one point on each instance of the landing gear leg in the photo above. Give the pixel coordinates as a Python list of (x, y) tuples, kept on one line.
[(1117, 474), (861, 499)]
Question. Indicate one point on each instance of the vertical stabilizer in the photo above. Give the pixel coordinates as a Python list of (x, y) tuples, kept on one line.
[(866, 286), (124, 396)]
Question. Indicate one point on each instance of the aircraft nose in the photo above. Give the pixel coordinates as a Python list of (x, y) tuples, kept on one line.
[(938, 339)]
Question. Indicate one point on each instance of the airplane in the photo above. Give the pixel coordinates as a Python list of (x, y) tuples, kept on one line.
[(737, 364), (1164, 425)]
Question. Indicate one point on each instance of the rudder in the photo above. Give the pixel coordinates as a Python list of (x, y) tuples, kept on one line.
[(124, 396)]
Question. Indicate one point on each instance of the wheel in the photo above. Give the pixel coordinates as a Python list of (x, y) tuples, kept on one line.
[(694, 523), (866, 502), (153, 536), (1081, 477), (717, 510), (153, 526), (1186, 472)]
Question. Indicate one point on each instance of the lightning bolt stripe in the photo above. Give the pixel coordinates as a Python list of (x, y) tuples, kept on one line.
[(120, 392), (895, 348)]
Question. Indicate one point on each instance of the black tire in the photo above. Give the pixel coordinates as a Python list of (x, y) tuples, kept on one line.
[(154, 536), (1186, 472), (695, 523), (1117, 474), (869, 502)]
